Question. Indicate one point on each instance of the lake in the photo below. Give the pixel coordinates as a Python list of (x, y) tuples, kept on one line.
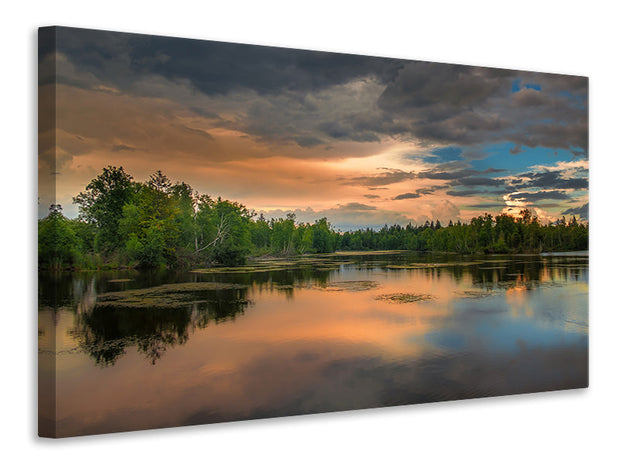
[(138, 350)]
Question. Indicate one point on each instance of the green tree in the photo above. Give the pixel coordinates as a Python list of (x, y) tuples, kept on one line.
[(323, 238), (101, 205), (261, 233), (150, 223), (58, 244), (282, 234), (232, 241)]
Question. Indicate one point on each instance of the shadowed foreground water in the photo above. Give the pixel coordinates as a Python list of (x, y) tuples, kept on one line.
[(354, 331)]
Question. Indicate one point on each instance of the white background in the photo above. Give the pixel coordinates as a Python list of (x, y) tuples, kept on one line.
[(566, 37)]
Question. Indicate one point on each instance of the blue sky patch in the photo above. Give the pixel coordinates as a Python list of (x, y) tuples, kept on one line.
[(446, 154), (516, 86), (499, 157)]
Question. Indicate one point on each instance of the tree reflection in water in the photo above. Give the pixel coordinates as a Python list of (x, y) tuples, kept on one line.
[(106, 331)]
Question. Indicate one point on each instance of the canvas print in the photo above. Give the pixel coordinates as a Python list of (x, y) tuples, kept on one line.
[(231, 232)]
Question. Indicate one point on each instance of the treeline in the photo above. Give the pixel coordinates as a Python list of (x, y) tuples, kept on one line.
[(484, 234), (124, 223)]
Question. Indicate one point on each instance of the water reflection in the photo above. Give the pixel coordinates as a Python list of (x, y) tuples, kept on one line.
[(107, 330), (306, 338)]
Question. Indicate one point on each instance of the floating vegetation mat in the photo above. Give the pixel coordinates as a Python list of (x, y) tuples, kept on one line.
[(351, 286), (423, 266), (364, 253), (404, 298), (168, 295), (501, 287), (237, 269), (263, 265), (577, 253), (377, 266), (476, 293)]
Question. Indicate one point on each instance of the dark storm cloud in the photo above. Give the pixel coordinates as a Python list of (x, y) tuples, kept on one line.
[(556, 134), (551, 180), (445, 175), (368, 125), (553, 185), (364, 126), (462, 175), (467, 193), (452, 166), (468, 105), (216, 67), (263, 69), (549, 205), (582, 211), (307, 141), (338, 130), (439, 88), (465, 177), (430, 102), (487, 205), (408, 195), (414, 195), (383, 179), (480, 181), (47, 66)]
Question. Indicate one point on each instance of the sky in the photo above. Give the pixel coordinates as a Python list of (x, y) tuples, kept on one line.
[(363, 141)]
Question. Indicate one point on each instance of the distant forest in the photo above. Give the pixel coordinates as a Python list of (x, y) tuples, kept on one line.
[(124, 223)]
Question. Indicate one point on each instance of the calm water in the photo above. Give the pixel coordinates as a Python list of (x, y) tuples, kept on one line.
[(308, 338)]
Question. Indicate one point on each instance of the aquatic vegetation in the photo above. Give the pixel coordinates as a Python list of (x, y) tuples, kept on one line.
[(264, 265), (422, 266), (351, 286), (237, 269), (120, 280), (169, 295), (348, 253), (404, 298), (475, 293)]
